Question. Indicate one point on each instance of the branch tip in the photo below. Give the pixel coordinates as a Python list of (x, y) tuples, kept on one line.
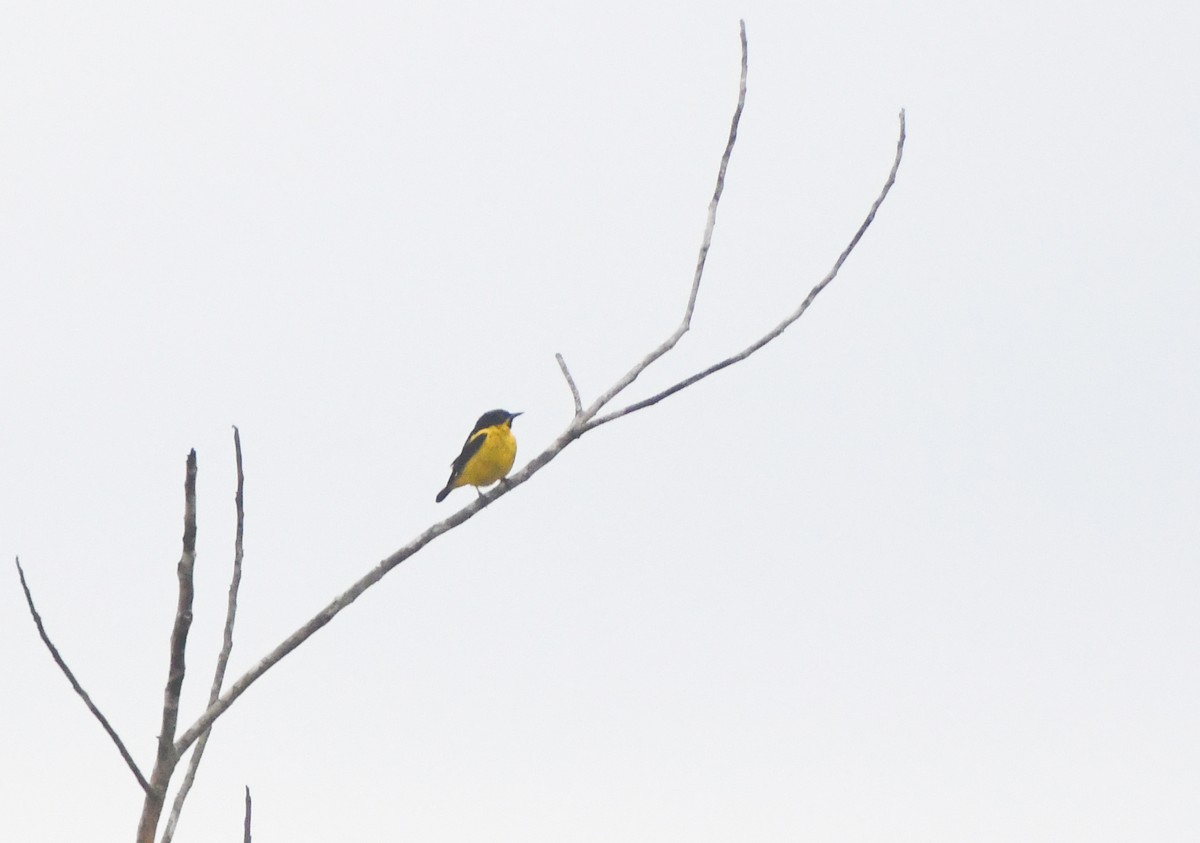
[(562, 364), (83, 695), (705, 245), (218, 680), (782, 326), (167, 757), (246, 820)]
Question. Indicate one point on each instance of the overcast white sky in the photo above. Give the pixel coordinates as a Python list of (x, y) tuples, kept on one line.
[(927, 568)]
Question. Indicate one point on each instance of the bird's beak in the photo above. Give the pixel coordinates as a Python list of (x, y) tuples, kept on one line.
[(514, 415)]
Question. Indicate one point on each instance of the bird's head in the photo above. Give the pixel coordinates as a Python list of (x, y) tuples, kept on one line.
[(495, 417)]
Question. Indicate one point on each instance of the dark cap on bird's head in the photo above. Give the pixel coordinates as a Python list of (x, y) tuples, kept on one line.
[(494, 417)]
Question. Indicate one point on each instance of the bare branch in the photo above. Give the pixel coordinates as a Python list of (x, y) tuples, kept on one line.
[(377, 573), (167, 757), (183, 616), (246, 821), (705, 244), (578, 426), (562, 364), (214, 691), (711, 222), (573, 431), (782, 326), (171, 746), (83, 695)]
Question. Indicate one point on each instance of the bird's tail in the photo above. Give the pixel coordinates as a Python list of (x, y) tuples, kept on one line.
[(441, 496)]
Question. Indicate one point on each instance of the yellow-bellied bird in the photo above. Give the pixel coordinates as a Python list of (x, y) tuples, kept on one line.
[(487, 455)]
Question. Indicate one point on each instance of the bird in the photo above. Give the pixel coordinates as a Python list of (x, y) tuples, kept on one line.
[(487, 456)]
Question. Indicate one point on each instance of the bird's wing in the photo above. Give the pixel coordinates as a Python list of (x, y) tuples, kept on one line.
[(470, 449)]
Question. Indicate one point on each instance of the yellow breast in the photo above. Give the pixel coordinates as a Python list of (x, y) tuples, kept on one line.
[(493, 460)]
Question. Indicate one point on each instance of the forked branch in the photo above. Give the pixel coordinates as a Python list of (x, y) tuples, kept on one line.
[(705, 244), (584, 419), (172, 745), (782, 326)]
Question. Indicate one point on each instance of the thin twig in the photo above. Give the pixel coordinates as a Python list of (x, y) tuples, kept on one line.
[(246, 821), (782, 326), (562, 364), (214, 691), (167, 758), (705, 244), (711, 221), (83, 695)]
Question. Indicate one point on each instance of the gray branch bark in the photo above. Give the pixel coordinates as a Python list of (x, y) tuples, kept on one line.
[(167, 757), (83, 695), (782, 326), (218, 680), (246, 819)]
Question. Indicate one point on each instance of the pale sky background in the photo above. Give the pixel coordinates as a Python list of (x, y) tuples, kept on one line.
[(925, 569)]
